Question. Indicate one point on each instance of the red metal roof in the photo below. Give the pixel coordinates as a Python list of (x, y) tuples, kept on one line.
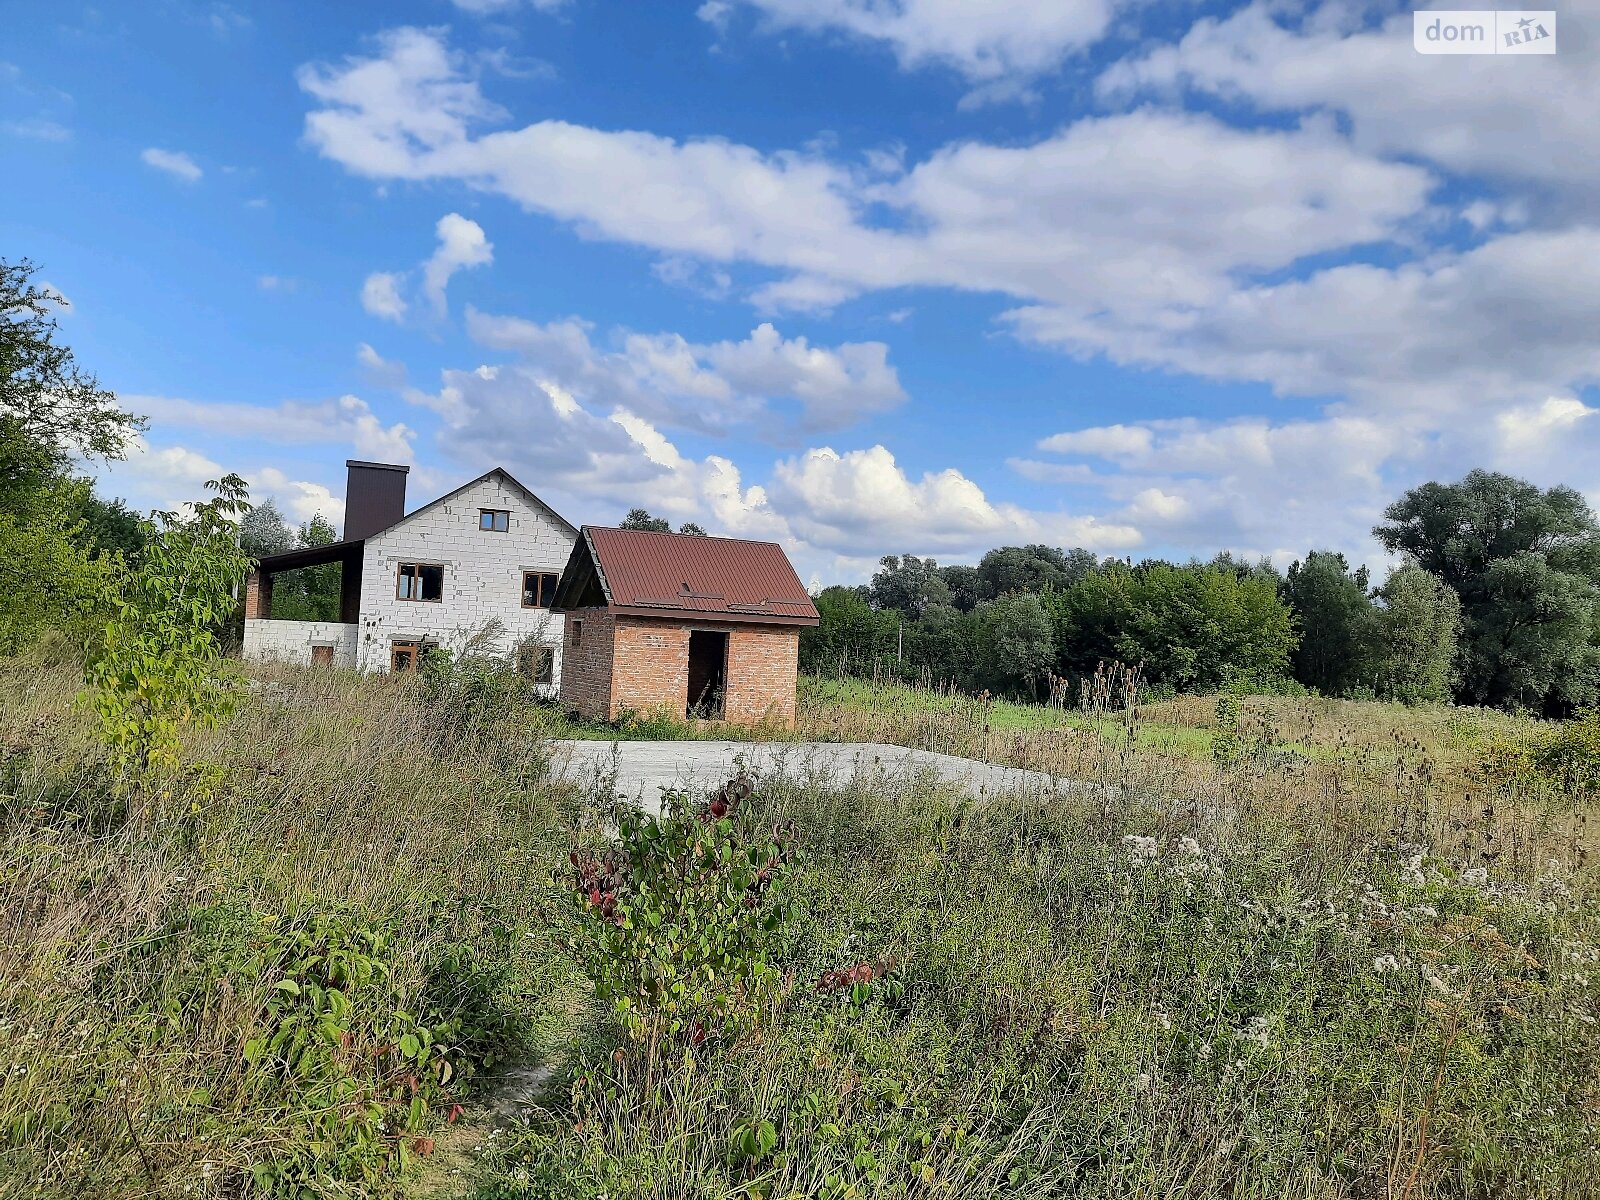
[(679, 573)]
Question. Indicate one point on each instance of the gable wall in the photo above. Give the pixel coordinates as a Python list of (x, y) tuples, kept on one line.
[(482, 574)]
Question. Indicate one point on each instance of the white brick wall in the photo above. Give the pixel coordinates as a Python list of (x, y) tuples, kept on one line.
[(482, 575), (291, 641)]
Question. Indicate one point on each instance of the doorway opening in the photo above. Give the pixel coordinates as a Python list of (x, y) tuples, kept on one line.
[(708, 674), (402, 656), (322, 656)]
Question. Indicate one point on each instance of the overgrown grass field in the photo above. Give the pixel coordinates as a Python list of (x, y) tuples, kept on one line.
[(1271, 947)]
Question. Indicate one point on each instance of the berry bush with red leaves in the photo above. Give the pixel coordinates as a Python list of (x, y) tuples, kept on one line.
[(679, 914)]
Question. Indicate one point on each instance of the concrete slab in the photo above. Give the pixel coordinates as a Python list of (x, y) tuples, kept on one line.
[(643, 769)]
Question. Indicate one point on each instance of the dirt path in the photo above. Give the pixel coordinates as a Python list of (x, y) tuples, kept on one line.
[(643, 769)]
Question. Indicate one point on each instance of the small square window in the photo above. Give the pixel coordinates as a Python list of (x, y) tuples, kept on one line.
[(494, 520), (538, 589), (537, 663), (419, 581)]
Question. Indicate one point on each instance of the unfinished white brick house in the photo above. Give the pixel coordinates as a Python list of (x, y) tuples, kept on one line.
[(477, 567)]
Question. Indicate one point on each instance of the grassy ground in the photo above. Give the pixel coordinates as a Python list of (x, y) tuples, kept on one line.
[(1355, 953)]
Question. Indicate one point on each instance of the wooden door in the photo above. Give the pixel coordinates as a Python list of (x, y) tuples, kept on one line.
[(403, 656), (322, 656)]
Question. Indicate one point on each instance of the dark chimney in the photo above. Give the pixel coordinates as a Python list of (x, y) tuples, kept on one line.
[(374, 497)]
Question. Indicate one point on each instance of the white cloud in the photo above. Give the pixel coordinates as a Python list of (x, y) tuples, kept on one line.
[(1468, 114), (1532, 427), (481, 8), (461, 244), (40, 129), (382, 371), (174, 162), (987, 43), (1114, 211), (1508, 320), (708, 387), (862, 499), (277, 283), (346, 420), (298, 499), (380, 296)]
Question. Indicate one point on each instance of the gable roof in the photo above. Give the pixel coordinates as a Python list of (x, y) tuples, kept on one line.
[(683, 575), (335, 551)]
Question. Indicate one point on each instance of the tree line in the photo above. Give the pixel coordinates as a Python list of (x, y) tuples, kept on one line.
[(1496, 602)]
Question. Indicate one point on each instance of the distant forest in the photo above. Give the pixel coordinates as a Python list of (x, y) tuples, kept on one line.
[(1497, 603)]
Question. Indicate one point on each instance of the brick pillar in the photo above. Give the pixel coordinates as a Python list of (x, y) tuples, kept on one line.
[(258, 597)]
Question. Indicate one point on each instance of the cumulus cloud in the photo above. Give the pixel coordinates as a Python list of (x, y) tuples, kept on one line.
[(174, 162), (461, 244), (298, 499), (380, 296), (863, 498), (707, 387)]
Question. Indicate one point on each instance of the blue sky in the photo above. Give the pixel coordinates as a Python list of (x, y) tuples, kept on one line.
[(865, 276)]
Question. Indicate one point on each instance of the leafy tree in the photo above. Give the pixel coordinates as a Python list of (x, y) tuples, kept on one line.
[(263, 531), (53, 401), (1413, 645), (1088, 618), (850, 635), (54, 534), (1525, 564), (159, 666), (1335, 615), (108, 526), (966, 587), (49, 575), (1032, 568), (1024, 649), (1194, 628), (908, 583), (951, 645), (640, 519)]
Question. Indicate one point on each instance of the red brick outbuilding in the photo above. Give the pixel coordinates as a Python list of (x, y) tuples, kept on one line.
[(693, 626)]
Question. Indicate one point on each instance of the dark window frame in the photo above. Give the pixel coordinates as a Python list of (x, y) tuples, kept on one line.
[(415, 574), (544, 592), (577, 634), (497, 516)]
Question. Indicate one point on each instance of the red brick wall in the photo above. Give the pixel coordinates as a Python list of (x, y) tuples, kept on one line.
[(763, 661), (639, 664), (586, 666), (257, 596), (651, 666)]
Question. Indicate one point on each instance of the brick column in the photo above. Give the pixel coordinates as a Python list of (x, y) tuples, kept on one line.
[(258, 597)]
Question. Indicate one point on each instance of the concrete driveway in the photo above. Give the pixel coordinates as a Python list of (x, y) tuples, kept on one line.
[(644, 768)]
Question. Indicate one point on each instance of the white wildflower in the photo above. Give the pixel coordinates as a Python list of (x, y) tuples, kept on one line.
[(1188, 845), (1475, 876), (1436, 983), (1141, 1082), (1385, 962), (1140, 849), (1258, 1031)]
